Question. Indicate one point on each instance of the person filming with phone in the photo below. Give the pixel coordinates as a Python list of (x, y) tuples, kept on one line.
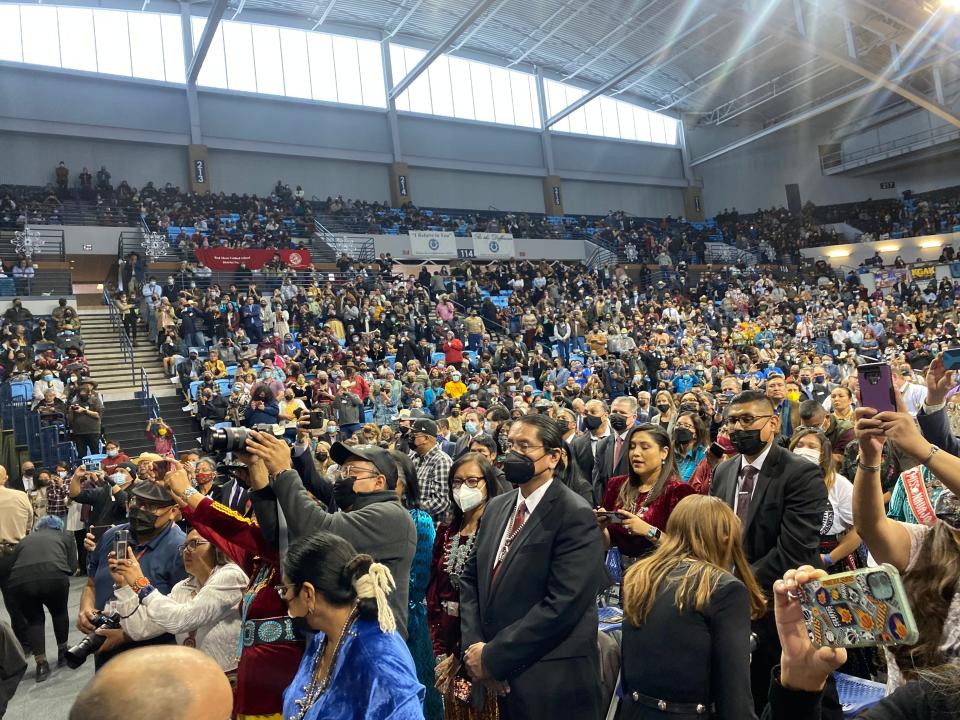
[(927, 553), (155, 540)]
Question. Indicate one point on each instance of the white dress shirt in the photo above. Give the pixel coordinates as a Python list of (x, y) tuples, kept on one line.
[(758, 464), (532, 500), (595, 440)]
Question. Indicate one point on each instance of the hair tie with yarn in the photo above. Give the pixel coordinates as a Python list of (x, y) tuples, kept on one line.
[(376, 583)]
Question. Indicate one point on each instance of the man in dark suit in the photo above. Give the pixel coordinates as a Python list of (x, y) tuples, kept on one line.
[(810, 390), (596, 427), (780, 499), (527, 600), (611, 457)]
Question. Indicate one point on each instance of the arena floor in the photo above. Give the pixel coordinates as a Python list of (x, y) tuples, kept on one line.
[(51, 700)]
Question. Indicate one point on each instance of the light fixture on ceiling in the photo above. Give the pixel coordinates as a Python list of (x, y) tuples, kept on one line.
[(888, 248), (931, 244), (838, 253)]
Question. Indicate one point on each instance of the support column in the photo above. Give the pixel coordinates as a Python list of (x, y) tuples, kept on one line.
[(199, 170), (553, 195), (693, 203), (400, 193)]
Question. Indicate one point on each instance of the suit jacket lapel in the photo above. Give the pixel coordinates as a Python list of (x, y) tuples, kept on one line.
[(529, 528), (769, 471), (487, 551)]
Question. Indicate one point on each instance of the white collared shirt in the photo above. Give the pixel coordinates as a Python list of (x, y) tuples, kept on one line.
[(531, 501), (595, 440), (758, 464)]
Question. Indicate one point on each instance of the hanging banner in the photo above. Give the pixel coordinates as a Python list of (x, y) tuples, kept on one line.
[(493, 245), (432, 244), (886, 278), (923, 273), (251, 258)]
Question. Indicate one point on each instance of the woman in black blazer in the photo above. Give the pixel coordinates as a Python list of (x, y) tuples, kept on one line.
[(686, 627)]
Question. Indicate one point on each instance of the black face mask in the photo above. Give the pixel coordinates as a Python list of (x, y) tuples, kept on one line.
[(683, 435), (747, 442), (345, 496), (321, 455), (592, 422), (518, 469), (618, 422), (142, 525), (663, 407)]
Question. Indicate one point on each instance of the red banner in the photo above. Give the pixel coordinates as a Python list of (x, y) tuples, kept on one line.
[(251, 258)]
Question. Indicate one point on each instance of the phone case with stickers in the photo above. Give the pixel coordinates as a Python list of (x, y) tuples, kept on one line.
[(862, 608)]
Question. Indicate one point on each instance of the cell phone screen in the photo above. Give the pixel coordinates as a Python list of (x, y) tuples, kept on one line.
[(98, 530), (120, 545)]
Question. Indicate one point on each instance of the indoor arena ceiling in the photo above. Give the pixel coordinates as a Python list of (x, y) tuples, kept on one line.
[(715, 60)]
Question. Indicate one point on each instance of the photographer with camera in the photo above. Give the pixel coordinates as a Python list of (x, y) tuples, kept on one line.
[(155, 540), (371, 518), (106, 494), (83, 419), (212, 408)]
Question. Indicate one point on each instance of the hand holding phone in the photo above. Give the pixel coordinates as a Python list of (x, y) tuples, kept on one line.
[(614, 517), (875, 382), (120, 544)]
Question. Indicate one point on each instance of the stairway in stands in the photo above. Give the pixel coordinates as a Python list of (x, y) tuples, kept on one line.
[(108, 366), (125, 422)]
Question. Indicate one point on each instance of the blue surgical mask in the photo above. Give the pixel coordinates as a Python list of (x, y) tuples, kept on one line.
[(118, 478), (470, 427)]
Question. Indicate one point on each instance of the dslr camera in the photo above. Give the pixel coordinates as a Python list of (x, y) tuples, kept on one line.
[(78, 654), (234, 439)]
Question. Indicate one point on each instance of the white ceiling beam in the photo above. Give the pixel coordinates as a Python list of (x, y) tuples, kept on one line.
[(326, 14), (629, 70), (877, 79), (445, 42), (559, 26), (209, 30), (610, 47)]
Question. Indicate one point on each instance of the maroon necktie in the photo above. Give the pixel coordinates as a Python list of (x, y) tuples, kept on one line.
[(519, 518), (617, 449), (745, 493)]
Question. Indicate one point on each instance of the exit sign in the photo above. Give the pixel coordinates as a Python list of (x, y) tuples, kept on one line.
[(88, 246)]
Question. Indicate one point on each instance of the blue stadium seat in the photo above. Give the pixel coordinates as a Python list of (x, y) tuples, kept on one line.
[(392, 359), (436, 357), (8, 286), (368, 415), (193, 389), (574, 356), (21, 390), (232, 370), (225, 385)]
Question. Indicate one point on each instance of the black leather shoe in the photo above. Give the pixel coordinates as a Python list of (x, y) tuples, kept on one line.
[(43, 670)]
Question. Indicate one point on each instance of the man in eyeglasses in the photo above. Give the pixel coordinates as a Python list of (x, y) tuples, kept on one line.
[(780, 499), (372, 518), (155, 540)]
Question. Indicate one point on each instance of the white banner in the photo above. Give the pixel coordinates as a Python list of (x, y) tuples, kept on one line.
[(432, 244), (493, 245)]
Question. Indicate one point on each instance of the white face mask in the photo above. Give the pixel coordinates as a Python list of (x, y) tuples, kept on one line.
[(808, 454), (467, 498)]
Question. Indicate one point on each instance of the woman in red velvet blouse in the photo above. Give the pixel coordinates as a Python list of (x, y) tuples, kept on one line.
[(645, 496)]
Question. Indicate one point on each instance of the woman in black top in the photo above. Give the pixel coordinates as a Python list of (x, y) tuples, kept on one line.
[(43, 563), (686, 626)]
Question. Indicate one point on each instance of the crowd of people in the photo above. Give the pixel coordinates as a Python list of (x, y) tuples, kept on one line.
[(444, 473), (910, 215)]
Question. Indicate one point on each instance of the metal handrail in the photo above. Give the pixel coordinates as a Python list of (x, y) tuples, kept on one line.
[(840, 157), (44, 282), (126, 347), (53, 239)]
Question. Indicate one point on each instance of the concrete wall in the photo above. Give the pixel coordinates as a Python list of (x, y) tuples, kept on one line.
[(754, 176), (140, 130), (102, 240), (851, 254)]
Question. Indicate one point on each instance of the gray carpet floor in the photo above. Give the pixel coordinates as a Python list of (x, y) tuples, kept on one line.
[(51, 700)]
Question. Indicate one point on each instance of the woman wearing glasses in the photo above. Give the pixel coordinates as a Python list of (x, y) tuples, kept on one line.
[(471, 483), (269, 649), (200, 610)]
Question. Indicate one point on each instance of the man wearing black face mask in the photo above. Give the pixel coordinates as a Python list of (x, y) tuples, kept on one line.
[(529, 588), (780, 499), (596, 428), (371, 516), (611, 457), (155, 540)]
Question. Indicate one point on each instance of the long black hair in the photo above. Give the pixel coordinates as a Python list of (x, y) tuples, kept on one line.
[(629, 490), (331, 565), (408, 474), (490, 481)]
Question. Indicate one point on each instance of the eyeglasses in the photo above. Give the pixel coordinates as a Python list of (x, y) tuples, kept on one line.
[(282, 590), (193, 545), (343, 477), (148, 506), (743, 420), (470, 482), (521, 447)]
